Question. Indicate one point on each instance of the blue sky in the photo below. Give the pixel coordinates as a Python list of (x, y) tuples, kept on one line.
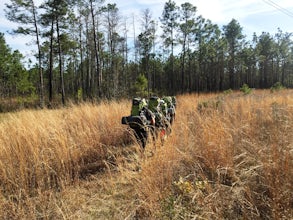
[(253, 15)]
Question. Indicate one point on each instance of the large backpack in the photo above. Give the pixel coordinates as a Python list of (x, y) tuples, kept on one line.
[(154, 103), (174, 101), (154, 107), (164, 107), (137, 105), (168, 101)]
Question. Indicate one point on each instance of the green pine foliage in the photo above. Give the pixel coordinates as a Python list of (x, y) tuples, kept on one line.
[(277, 87), (140, 86), (245, 89), (15, 79), (86, 46)]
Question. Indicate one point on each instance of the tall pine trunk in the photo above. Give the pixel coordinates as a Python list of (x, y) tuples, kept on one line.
[(61, 74), (96, 48), (50, 77), (41, 78)]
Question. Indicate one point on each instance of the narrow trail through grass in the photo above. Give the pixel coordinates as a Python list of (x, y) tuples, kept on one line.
[(229, 156)]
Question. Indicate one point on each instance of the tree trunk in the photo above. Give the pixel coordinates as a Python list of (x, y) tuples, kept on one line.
[(39, 58), (81, 82), (183, 65), (60, 64), (50, 77), (96, 48)]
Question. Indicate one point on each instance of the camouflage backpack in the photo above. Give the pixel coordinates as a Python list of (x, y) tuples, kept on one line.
[(174, 100), (168, 101), (164, 107), (137, 105), (154, 103)]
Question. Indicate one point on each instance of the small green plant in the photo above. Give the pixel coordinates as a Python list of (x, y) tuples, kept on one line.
[(141, 85), (79, 94), (168, 207), (228, 91), (277, 87), (245, 89), (209, 105)]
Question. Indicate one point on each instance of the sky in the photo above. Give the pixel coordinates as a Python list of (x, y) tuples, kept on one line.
[(253, 16)]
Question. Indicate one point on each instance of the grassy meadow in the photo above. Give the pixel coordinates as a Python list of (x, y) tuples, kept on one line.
[(229, 156)]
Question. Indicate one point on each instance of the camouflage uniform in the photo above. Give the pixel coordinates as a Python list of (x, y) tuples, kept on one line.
[(139, 120)]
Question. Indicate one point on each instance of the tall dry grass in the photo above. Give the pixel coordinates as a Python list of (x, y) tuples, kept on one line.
[(47, 150), (229, 157)]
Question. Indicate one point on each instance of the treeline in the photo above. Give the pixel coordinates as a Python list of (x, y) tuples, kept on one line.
[(85, 51)]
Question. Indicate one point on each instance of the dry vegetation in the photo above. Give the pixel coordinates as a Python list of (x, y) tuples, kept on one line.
[(228, 157)]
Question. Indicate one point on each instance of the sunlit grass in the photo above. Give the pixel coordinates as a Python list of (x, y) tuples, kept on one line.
[(241, 149), (48, 149), (229, 156)]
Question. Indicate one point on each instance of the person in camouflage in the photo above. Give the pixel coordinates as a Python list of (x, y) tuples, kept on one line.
[(155, 116), (171, 104), (140, 120)]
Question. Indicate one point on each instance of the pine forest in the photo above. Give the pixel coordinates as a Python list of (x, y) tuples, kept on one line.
[(83, 51)]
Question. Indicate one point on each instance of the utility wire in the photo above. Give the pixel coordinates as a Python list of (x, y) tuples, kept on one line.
[(279, 8)]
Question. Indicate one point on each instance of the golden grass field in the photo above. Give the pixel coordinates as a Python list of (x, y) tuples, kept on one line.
[(229, 156)]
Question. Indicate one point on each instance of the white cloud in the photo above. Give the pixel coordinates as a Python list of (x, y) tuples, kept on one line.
[(6, 25), (150, 2)]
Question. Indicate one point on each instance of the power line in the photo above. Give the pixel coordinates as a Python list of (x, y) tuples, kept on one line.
[(279, 8)]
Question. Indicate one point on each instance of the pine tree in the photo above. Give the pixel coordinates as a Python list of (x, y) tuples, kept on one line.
[(169, 22), (145, 43), (233, 34), (25, 13)]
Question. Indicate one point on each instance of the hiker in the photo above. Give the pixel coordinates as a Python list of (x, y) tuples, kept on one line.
[(154, 106), (170, 107), (166, 118), (164, 108), (174, 101), (153, 116), (159, 108), (140, 120)]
